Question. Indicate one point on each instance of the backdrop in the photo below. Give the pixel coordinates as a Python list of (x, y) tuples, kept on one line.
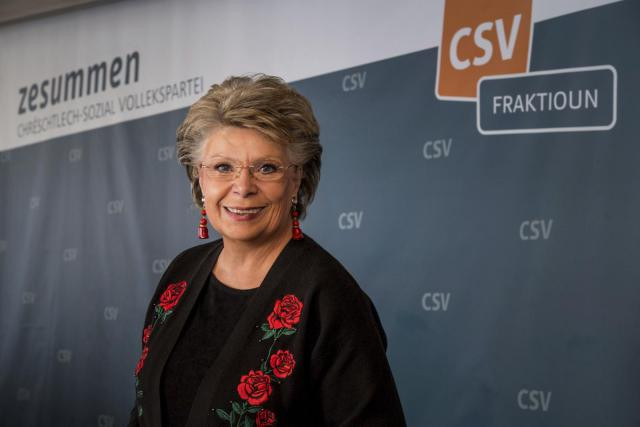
[(480, 180)]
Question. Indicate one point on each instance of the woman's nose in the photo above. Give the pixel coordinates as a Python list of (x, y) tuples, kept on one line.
[(244, 182)]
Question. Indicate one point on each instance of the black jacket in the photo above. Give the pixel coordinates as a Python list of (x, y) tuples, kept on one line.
[(309, 349)]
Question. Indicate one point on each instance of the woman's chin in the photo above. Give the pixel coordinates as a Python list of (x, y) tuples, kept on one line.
[(255, 235)]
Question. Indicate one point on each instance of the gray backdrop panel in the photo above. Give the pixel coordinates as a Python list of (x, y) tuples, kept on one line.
[(483, 326)]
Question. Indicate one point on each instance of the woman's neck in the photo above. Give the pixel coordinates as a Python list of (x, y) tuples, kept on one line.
[(244, 265)]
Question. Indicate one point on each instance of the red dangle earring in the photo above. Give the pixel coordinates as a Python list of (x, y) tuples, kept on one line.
[(297, 233), (203, 231)]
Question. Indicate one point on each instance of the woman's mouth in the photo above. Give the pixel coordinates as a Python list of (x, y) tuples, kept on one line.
[(243, 214)]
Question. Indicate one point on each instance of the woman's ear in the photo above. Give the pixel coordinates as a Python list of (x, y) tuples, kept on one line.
[(298, 179), (202, 183)]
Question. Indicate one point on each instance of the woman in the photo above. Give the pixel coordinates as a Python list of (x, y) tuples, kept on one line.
[(262, 327)]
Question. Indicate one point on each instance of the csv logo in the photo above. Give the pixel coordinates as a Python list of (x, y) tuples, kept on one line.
[(355, 81), (437, 149), (534, 400), (110, 313), (436, 301), (159, 265), (350, 220), (75, 155), (28, 297), (105, 420), (34, 202), (536, 229), (70, 254), (64, 356), (481, 38), (115, 207), (165, 153)]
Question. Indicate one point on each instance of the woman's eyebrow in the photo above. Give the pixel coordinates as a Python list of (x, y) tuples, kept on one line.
[(259, 159), (219, 157)]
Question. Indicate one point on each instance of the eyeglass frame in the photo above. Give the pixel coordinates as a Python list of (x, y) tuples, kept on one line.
[(238, 171)]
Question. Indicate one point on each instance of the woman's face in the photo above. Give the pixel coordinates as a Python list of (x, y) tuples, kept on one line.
[(245, 209)]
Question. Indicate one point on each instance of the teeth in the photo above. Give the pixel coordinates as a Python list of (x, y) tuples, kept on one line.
[(243, 211)]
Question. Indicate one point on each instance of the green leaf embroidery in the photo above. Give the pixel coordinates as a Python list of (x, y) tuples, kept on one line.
[(236, 407), (289, 331), (165, 315), (254, 409), (222, 414), (265, 327), (268, 334)]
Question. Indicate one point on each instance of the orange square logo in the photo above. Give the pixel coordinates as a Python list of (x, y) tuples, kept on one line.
[(481, 38)]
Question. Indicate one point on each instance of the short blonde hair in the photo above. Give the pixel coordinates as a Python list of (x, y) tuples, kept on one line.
[(263, 103)]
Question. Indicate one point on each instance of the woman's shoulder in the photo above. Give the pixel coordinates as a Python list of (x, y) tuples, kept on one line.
[(337, 302), (318, 265), (327, 280)]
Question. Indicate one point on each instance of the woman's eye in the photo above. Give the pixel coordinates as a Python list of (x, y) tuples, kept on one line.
[(223, 168), (267, 168)]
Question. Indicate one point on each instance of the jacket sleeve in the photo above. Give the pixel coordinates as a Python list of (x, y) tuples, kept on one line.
[(351, 379)]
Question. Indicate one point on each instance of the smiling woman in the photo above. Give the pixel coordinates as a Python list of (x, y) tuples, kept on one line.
[(263, 326)]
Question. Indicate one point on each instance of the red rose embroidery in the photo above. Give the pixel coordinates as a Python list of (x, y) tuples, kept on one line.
[(146, 334), (282, 363), (286, 312), (255, 387), (171, 295), (145, 352), (265, 418)]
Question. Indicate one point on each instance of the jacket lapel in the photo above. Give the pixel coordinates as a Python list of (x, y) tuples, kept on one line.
[(169, 333)]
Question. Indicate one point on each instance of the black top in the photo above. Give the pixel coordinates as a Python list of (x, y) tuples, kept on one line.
[(216, 312)]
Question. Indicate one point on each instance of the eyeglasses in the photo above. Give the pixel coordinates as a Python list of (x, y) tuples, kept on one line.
[(264, 170)]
